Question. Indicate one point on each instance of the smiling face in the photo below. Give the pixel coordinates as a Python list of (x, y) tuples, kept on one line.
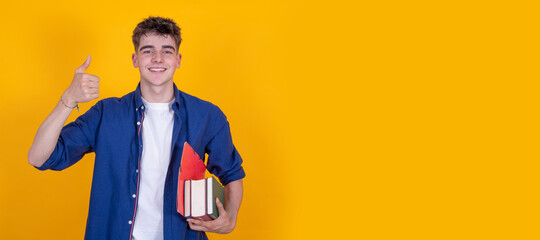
[(157, 60)]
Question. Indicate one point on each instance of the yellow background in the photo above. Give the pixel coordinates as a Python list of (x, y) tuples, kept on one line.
[(355, 119)]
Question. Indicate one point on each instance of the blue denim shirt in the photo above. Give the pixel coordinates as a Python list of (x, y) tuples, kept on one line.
[(112, 129)]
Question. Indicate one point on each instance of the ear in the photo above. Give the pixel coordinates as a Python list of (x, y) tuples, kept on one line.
[(178, 62), (134, 59)]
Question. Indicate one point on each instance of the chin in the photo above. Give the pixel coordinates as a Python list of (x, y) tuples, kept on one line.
[(157, 82)]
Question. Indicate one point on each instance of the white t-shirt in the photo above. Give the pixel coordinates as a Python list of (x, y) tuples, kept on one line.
[(157, 129)]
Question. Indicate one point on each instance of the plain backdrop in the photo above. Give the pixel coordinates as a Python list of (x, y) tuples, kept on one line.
[(355, 119)]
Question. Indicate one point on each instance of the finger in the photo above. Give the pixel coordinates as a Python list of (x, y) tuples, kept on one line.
[(84, 66), (203, 226), (91, 77), (92, 84), (194, 221), (220, 208), (93, 96), (201, 223), (90, 91), (85, 84), (197, 227)]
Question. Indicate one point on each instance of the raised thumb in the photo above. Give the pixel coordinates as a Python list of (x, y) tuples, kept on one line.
[(84, 66)]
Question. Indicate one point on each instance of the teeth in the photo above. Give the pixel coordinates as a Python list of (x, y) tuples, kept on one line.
[(156, 69)]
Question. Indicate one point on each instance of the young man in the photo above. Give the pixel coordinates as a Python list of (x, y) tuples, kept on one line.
[(138, 141)]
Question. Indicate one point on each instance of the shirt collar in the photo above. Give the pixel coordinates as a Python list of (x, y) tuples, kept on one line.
[(139, 102)]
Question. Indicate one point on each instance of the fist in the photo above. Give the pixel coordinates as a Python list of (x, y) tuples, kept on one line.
[(83, 88)]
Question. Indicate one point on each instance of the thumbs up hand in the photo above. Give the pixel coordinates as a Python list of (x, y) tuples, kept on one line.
[(83, 88)]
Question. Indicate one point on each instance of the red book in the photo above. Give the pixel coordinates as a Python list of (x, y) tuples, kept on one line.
[(191, 168)]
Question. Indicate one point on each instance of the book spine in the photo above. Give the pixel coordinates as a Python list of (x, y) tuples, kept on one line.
[(187, 200), (218, 192), (212, 208), (206, 198), (209, 206)]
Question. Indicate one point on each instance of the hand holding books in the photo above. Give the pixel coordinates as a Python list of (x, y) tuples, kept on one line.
[(226, 221), (223, 224), (193, 168)]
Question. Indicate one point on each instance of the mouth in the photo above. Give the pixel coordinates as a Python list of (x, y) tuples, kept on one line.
[(156, 69)]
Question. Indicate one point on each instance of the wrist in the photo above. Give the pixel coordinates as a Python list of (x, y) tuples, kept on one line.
[(68, 103), (67, 100)]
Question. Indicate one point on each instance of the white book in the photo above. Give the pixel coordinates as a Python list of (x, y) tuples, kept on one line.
[(198, 198)]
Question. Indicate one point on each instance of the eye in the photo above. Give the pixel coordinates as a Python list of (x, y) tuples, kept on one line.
[(168, 52), (147, 51)]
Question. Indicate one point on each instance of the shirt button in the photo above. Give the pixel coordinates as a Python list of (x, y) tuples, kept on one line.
[(130, 222), (138, 123), (137, 170), (134, 196), (142, 107)]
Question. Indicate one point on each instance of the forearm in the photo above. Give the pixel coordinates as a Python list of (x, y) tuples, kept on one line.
[(83, 88), (47, 135), (233, 198)]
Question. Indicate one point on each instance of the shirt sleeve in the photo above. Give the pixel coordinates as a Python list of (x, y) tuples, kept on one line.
[(224, 161), (76, 139)]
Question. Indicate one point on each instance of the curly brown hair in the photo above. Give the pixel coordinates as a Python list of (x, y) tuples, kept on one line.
[(156, 25)]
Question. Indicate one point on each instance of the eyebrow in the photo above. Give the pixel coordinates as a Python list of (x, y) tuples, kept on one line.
[(145, 46), (169, 46), (150, 46)]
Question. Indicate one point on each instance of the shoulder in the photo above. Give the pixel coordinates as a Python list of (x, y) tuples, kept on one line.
[(113, 106), (198, 105), (128, 98), (117, 102), (199, 109)]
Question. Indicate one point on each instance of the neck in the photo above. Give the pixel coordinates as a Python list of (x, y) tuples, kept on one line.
[(158, 94)]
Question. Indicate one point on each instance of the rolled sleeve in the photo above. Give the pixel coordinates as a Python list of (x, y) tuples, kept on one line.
[(75, 140), (224, 161)]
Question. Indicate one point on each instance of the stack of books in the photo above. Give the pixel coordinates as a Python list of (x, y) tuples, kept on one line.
[(196, 195)]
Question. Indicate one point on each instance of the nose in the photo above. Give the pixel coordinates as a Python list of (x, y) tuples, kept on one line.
[(157, 57)]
